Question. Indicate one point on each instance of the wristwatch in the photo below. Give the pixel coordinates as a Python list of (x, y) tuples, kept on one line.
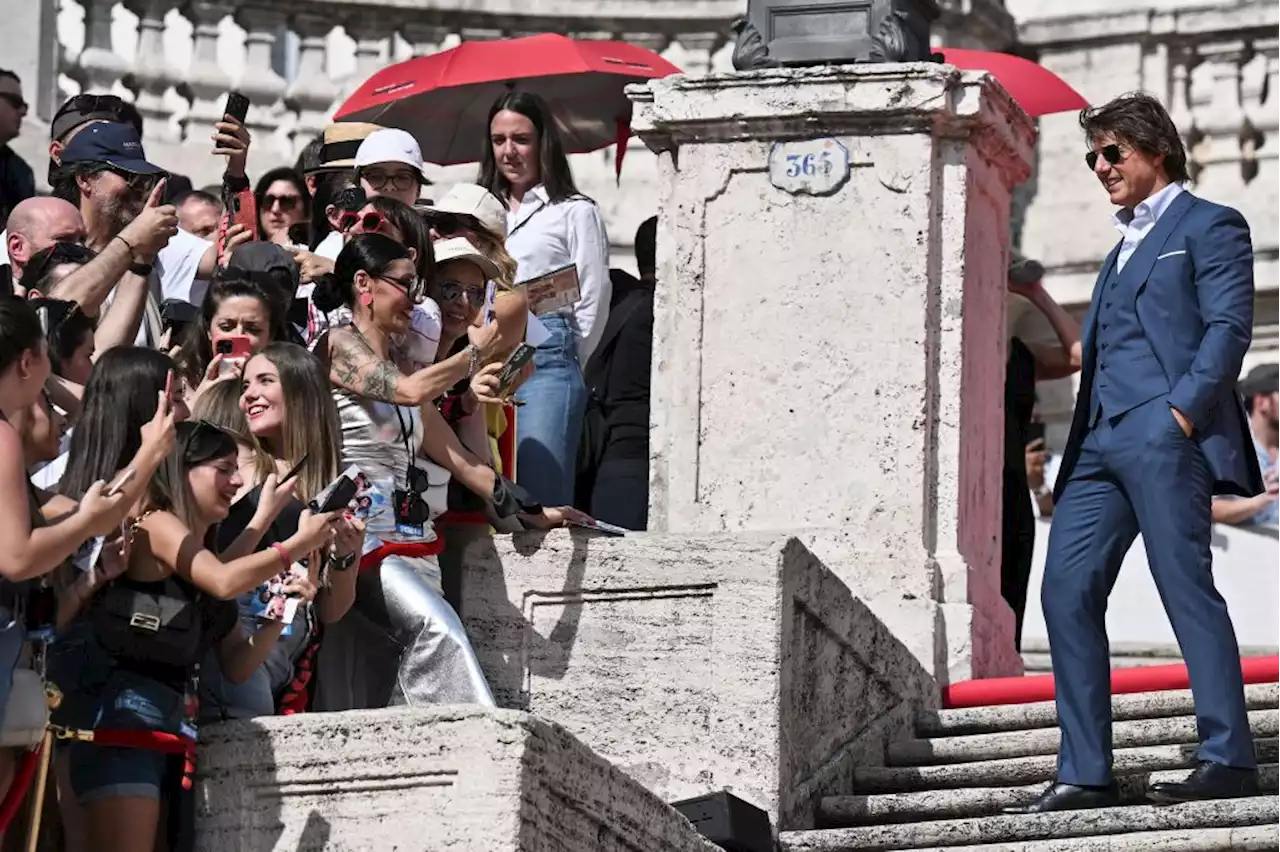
[(342, 563)]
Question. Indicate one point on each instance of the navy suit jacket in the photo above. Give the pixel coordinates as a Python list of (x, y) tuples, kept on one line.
[(1194, 299)]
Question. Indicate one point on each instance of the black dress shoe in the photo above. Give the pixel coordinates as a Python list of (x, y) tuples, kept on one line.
[(1069, 797), (1207, 781)]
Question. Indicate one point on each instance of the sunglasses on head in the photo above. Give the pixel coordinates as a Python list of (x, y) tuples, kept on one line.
[(452, 291), (1111, 153), (288, 203), (13, 100), (369, 222)]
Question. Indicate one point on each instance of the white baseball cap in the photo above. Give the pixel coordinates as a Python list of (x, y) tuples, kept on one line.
[(460, 248), (469, 199), (390, 145)]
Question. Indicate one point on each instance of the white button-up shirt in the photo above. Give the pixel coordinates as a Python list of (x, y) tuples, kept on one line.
[(544, 237), (1135, 224)]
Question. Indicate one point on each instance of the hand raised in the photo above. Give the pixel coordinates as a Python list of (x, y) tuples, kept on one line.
[(231, 139), (103, 513), (485, 385)]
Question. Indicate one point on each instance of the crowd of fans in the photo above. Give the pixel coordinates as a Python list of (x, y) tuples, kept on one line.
[(244, 442)]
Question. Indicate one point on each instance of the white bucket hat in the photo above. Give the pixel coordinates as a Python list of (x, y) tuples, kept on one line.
[(469, 199), (460, 248), (390, 145)]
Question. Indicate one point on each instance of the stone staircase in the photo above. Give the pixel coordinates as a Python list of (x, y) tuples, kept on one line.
[(945, 788)]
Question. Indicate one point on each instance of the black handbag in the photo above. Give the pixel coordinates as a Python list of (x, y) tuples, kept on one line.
[(161, 627)]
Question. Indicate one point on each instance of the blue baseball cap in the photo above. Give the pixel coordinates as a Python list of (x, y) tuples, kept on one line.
[(117, 145)]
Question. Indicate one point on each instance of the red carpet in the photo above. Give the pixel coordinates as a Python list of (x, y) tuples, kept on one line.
[(1023, 690)]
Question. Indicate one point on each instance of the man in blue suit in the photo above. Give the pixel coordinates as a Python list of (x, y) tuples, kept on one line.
[(1158, 430)]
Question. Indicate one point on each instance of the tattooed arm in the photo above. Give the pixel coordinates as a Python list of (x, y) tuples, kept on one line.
[(354, 367)]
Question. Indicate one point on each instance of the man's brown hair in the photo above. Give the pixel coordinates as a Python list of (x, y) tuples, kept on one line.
[(1141, 121)]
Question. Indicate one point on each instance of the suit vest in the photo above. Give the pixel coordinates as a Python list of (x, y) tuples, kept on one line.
[(1126, 372)]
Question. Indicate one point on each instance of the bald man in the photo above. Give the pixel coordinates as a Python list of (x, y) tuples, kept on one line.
[(36, 224)]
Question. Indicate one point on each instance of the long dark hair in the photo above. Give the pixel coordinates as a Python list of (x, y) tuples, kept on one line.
[(119, 399), (372, 253), (264, 183), (19, 330), (196, 442), (417, 233), (1140, 120), (68, 328), (553, 165)]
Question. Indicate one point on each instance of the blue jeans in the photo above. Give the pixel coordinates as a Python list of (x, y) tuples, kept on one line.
[(549, 424)]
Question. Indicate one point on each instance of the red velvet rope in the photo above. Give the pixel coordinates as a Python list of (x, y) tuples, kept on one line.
[(17, 792)]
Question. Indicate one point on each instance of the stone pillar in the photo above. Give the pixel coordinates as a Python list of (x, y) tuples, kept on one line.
[(312, 93), (152, 76), (829, 344), (98, 67), (259, 81), (206, 81)]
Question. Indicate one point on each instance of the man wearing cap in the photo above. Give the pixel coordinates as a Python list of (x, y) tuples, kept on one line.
[(1261, 392), (335, 171), (389, 162)]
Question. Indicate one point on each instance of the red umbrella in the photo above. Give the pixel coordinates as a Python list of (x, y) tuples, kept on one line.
[(443, 99), (1037, 90)]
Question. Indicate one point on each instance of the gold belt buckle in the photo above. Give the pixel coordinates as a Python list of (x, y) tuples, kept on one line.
[(145, 621)]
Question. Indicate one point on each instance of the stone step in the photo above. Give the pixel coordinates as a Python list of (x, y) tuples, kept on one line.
[(875, 809), (1094, 824), (1252, 838), (1043, 714), (1137, 732), (1017, 771)]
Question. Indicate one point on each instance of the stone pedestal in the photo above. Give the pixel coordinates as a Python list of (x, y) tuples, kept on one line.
[(462, 779), (832, 363), (695, 663)]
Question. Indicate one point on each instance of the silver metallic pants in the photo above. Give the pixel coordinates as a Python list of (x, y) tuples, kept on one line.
[(400, 644)]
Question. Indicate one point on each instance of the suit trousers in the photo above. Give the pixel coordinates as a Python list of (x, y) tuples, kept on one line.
[(1136, 473)]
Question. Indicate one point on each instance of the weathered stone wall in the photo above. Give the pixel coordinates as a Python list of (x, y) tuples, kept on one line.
[(445, 779), (694, 663)]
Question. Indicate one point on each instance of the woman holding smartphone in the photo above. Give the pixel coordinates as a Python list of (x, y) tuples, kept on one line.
[(170, 561)]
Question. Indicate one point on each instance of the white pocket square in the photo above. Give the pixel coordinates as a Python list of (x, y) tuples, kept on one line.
[(1171, 254)]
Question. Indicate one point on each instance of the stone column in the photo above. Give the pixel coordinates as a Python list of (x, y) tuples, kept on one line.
[(206, 81), (829, 344), (152, 75), (260, 83), (312, 93), (98, 67)]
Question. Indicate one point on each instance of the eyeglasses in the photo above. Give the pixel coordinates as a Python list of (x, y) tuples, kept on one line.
[(1111, 153), (288, 203), (452, 291), (138, 184), (409, 284), (14, 101), (399, 181), (369, 222)]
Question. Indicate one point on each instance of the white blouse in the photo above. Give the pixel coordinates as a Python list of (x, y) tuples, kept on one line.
[(543, 237)]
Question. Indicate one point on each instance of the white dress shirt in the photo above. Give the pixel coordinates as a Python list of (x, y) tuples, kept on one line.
[(544, 237), (1135, 224)]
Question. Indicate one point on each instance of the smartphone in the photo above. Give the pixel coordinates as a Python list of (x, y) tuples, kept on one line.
[(296, 469), (1035, 431), (522, 355), (120, 482), (237, 106), (231, 348), (336, 496)]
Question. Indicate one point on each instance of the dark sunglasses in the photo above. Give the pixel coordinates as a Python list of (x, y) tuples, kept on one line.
[(138, 184), (14, 101), (409, 285), (410, 506), (451, 291), (1111, 153), (369, 222), (288, 203), (398, 180)]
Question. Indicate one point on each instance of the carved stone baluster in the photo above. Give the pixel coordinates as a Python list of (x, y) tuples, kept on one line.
[(371, 34), (98, 68), (312, 94), (425, 38), (152, 76), (697, 50), (206, 82), (260, 83)]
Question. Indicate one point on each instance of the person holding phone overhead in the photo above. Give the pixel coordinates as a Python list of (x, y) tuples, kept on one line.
[(550, 226)]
